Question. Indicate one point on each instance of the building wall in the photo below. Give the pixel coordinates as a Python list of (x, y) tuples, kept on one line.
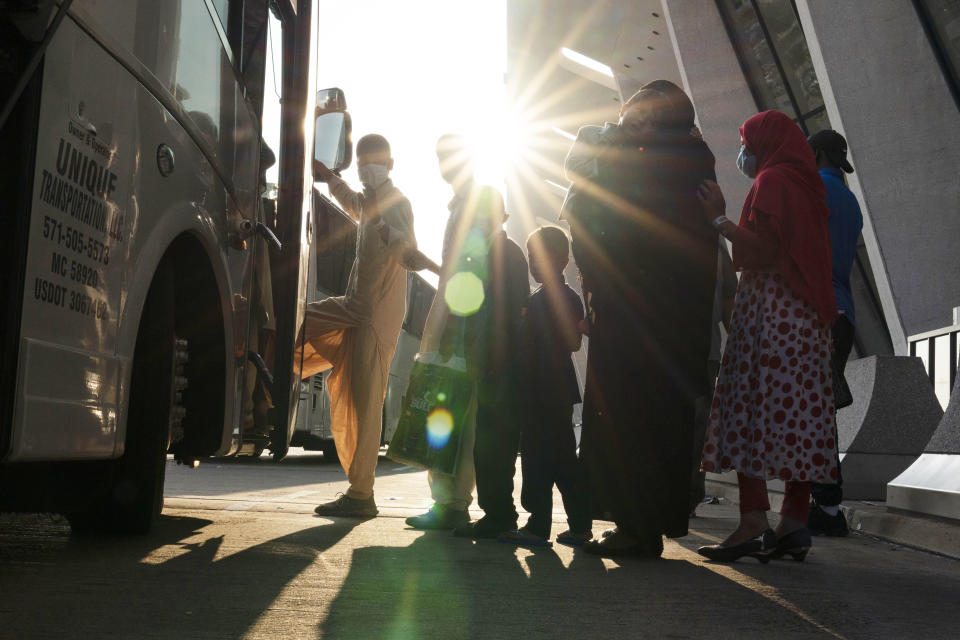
[(886, 93)]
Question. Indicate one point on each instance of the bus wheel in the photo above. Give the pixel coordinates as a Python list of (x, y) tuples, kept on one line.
[(134, 496)]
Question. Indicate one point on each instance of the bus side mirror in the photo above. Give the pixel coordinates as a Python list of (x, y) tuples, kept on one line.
[(332, 144), (330, 101)]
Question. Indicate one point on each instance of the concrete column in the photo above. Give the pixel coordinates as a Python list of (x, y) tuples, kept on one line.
[(893, 415)]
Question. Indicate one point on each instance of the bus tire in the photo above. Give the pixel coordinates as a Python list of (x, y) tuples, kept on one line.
[(133, 498)]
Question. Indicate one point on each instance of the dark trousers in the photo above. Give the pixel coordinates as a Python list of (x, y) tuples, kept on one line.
[(701, 418), (831, 495), (549, 456), (495, 459)]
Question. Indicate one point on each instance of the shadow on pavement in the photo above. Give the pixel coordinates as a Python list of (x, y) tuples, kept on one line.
[(163, 585), (444, 587), (264, 577)]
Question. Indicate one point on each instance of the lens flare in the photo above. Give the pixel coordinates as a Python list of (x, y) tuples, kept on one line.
[(439, 427), (441, 397), (475, 244), (464, 294)]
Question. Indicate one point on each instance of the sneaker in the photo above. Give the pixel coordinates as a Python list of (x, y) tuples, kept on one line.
[(572, 539), (821, 523), (523, 538), (609, 532), (482, 529), (440, 517), (347, 507)]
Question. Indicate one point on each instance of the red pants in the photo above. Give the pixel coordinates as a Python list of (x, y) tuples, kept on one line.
[(753, 497)]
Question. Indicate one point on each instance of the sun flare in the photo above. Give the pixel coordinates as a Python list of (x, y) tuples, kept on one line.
[(501, 144)]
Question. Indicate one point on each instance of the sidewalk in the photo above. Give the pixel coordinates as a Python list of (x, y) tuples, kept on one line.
[(918, 531)]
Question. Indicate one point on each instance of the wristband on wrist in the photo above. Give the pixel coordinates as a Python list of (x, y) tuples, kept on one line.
[(718, 222)]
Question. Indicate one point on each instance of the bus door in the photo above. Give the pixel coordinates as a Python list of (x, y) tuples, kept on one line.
[(332, 147), (304, 111)]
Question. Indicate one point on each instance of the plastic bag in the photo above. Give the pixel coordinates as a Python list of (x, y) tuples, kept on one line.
[(433, 414)]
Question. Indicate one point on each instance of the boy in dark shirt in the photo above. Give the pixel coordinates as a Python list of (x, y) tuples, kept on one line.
[(548, 447), (489, 292)]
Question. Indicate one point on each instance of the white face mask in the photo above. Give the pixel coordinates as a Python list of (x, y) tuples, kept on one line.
[(373, 175), (747, 163)]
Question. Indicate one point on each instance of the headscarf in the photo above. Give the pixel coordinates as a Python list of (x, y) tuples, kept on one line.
[(789, 190), (674, 111), (668, 106)]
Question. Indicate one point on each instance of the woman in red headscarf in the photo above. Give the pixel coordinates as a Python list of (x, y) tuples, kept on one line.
[(772, 414)]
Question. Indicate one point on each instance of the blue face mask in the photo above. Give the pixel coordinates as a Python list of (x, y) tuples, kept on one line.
[(747, 163)]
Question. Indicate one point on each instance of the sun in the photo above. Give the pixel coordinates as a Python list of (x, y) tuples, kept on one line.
[(501, 142)]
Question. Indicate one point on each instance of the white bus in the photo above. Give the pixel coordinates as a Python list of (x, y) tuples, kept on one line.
[(130, 168)]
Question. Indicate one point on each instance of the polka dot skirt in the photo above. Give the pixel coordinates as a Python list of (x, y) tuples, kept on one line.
[(772, 414)]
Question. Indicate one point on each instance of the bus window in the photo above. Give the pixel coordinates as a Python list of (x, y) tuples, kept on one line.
[(201, 69), (207, 86), (335, 246), (419, 299), (272, 91)]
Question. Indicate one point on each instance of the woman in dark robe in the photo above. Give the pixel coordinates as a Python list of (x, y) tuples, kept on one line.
[(647, 259)]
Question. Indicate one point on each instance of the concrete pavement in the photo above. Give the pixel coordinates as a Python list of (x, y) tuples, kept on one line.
[(239, 554)]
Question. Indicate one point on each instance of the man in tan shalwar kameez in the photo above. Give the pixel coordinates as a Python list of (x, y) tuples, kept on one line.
[(356, 334)]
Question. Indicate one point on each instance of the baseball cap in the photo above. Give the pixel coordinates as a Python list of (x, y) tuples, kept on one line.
[(834, 145)]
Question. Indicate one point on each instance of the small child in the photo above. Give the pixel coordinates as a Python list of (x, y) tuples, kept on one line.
[(549, 335)]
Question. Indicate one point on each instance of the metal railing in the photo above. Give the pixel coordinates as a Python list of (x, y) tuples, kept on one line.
[(938, 351)]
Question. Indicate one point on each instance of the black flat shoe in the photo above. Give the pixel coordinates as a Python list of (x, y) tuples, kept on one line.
[(621, 545), (483, 529), (758, 548), (795, 544)]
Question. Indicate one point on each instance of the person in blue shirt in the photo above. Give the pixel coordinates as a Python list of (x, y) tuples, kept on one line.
[(845, 223)]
